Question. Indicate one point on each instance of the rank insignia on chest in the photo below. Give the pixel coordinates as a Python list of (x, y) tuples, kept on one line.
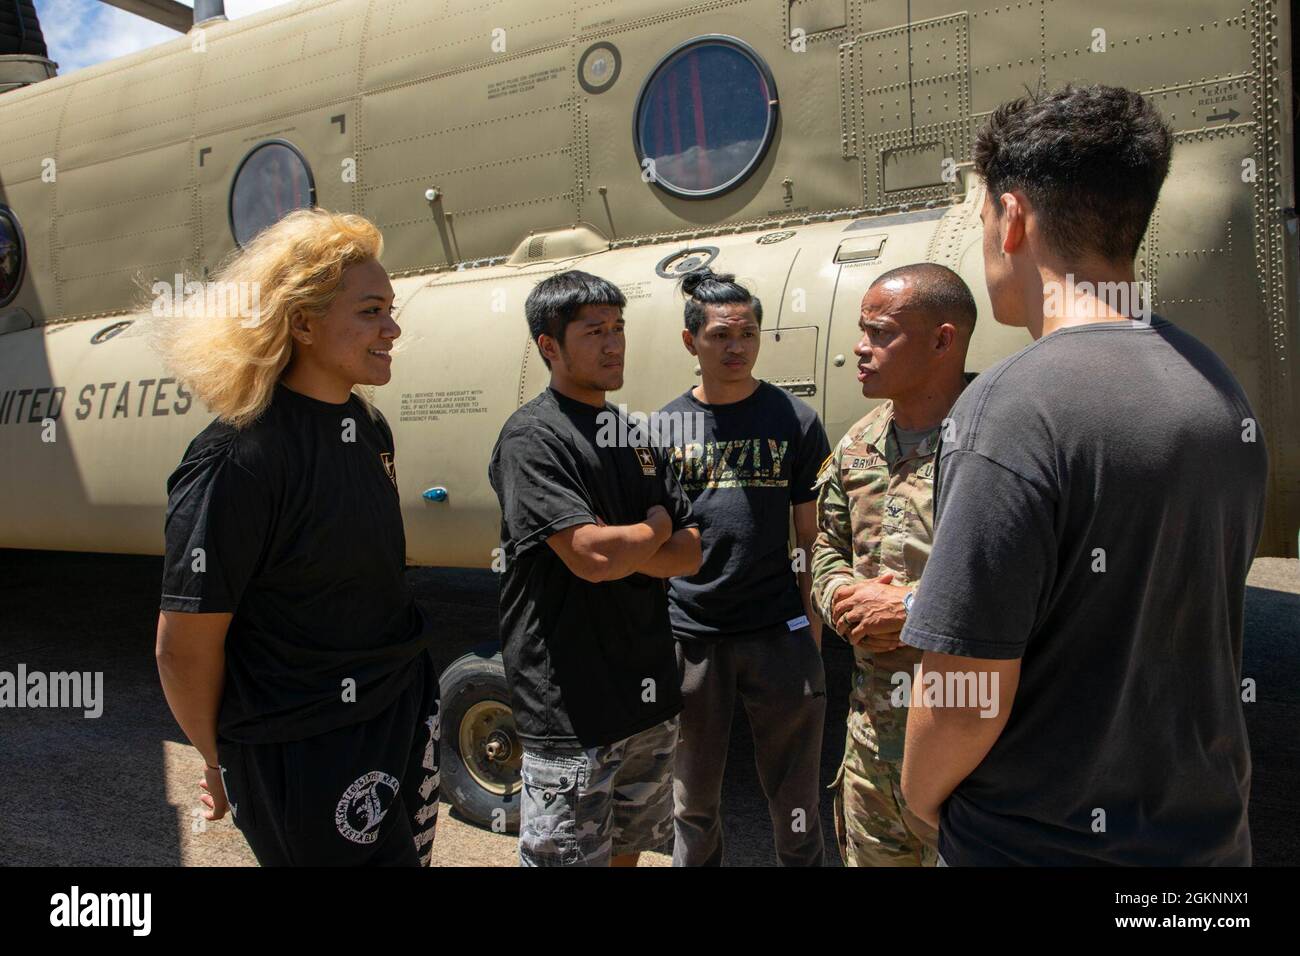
[(390, 469), (646, 460)]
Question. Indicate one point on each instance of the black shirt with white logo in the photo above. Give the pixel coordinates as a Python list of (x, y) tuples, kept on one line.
[(293, 525), (743, 467), (587, 663)]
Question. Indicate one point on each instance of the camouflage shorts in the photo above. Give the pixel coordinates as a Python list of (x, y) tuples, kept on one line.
[(579, 809), (869, 814)]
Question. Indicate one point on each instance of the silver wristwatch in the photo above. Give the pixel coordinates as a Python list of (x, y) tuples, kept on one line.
[(907, 601)]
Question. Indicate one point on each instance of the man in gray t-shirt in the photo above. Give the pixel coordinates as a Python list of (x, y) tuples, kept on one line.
[(1100, 499)]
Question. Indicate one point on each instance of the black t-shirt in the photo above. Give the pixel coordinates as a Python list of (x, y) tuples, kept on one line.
[(587, 664), (750, 462), (1101, 500), (293, 525)]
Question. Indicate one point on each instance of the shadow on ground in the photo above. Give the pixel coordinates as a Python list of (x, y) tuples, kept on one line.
[(116, 790)]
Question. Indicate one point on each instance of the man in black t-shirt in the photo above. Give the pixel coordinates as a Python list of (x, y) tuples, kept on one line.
[(1100, 499), (592, 521), (747, 453)]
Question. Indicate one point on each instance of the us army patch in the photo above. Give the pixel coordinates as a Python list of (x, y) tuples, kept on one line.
[(825, 470), (647, 461)]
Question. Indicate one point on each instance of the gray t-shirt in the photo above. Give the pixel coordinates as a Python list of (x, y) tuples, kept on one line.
[(910, 440), (1099, 506)]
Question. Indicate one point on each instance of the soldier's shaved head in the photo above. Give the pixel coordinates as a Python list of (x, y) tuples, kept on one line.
[(916, 324), (934, 290)]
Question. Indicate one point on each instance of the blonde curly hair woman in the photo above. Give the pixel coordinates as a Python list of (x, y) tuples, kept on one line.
[(290, 650)]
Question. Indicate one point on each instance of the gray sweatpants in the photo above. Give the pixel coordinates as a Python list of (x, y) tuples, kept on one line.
[(782, 684)]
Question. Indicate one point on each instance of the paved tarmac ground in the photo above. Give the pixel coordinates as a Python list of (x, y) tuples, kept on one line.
[(121, 789)]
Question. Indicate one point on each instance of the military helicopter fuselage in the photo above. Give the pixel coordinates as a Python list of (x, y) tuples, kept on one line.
[(805, 145)]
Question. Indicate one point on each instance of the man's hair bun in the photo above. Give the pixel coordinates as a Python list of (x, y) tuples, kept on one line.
[(693, 280)]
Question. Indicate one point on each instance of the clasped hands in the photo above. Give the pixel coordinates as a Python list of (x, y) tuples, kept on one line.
[(870, 613)]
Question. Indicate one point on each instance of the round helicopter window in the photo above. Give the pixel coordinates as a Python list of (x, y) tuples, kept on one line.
[(13, 256), (705, 117), (272, 181)]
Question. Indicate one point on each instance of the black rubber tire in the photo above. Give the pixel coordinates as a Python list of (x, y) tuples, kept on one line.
[(478, 675)]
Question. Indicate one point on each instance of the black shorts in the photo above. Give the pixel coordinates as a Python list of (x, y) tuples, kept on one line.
[(362, 795)]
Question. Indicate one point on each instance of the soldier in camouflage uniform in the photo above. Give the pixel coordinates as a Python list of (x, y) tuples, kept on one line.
[(875, 517)]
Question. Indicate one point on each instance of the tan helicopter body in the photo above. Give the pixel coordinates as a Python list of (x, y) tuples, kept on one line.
[(807, 145), (494, 144)]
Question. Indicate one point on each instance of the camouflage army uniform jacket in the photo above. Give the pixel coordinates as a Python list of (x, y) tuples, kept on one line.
[(875, 513)]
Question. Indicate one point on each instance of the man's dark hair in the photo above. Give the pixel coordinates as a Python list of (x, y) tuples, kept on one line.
[(555, 301), (1091, 160), (705, 287), (938, 291)]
